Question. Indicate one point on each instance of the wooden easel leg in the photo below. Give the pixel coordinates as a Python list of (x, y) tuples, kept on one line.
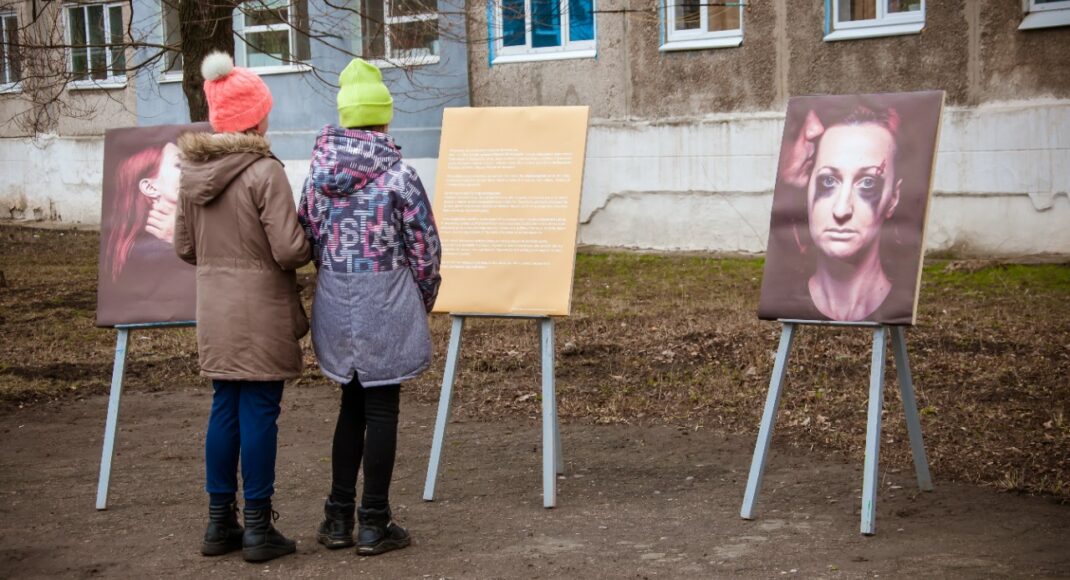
[(910, 408), (551, 443), (444, 400), (765, 432), (112, 424), (873, 432)]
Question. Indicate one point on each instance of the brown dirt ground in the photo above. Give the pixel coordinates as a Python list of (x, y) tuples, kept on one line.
[(636, 502), (661, 374)]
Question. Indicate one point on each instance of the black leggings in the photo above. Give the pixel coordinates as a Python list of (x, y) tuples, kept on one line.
[(367, 428)]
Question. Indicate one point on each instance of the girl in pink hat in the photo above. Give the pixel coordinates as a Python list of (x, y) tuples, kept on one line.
[(237, 223)]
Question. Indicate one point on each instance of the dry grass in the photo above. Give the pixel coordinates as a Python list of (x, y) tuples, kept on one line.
[(656, 339)]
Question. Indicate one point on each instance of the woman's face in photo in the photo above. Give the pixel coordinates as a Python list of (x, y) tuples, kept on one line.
[(170, 173), (852, 190)]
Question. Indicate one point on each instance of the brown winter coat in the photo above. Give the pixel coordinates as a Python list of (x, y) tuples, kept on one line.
[(237, 223)]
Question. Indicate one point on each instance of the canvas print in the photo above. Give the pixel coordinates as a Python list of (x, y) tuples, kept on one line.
[(852, 191), (139, 277)]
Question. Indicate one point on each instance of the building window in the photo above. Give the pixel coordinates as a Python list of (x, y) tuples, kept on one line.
[(526, 30), (869, 18), (172, 36), (10, 64), (690, 24), (1045, 14), (95, 35), (400, 32), (275, 33)]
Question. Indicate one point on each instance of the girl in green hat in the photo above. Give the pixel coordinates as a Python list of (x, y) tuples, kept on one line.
[(375, 244)]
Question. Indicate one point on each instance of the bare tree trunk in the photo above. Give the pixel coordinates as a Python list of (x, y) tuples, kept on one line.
[(206, 27)]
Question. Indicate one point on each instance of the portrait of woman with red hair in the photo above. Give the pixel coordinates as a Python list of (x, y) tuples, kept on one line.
[(140, 279), (847, 228)]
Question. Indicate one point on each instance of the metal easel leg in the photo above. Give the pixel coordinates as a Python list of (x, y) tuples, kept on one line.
[(910, 408), (765, 432), (873, 432), (112, 424), (550, 438), (444, 401)]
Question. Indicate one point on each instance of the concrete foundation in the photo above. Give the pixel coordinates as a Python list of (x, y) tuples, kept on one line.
[(1001, 184)]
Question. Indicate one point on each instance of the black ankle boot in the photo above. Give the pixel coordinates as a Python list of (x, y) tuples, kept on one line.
[(336, 531), (224, 533), (262, 542), (378, 534)]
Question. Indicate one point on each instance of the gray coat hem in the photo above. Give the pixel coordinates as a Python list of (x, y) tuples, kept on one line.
[(371, 325), (376, 383)]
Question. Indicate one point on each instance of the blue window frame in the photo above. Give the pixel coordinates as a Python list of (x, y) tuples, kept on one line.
[(527, 30)]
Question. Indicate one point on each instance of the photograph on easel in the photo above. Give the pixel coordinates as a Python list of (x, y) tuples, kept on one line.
[(140, 279), (847, 231)]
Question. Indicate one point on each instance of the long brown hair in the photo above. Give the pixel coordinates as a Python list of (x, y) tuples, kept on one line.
[(129, 208)]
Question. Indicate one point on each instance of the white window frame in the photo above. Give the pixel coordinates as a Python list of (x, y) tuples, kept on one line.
[(167, 76), (5, 85), (567, 50), (701, 37), (388, 60), (884, 24), (241, 32), (112, 81), (1045, 15)]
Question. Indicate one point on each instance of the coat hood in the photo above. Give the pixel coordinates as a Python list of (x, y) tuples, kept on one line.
[(212, 161), (345, 160)]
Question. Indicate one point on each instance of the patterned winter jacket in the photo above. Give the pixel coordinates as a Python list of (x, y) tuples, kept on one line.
[(374, 241)]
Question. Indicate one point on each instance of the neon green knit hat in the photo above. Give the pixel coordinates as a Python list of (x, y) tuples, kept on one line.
[(363, 99)]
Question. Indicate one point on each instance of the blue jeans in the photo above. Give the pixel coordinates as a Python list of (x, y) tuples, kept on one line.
[(243, 422)]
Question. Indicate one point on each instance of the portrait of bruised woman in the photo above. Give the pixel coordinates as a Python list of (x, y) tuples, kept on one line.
[(848, 224), (140, 279)]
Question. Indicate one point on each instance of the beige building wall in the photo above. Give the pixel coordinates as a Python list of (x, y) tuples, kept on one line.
[(970, 48), (74, 112), (683, 145)]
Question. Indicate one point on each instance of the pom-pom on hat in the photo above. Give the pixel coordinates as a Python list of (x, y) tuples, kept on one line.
[(363, 99), (237, 98)]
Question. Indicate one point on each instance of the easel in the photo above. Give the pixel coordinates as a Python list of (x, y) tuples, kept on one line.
[(112, 425), (552, 461), (873, 426)]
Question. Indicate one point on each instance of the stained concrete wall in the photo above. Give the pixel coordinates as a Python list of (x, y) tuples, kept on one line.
[(970, 48), (682, 146), (54, 178), (1001, 183), (707, 185), (57, 176)]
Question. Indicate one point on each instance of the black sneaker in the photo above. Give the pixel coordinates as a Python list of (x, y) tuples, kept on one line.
[(224, 533), (378, 534), (262, 542), (336, 531)]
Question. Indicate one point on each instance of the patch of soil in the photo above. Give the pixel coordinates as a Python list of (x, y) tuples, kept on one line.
[(652, 340), (634, 502)]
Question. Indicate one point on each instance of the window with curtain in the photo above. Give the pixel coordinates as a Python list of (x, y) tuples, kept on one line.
[(275, 33), (95, 34), (400, 31), (10, 63), (694, 24), (1046, 14), (543, 29), (851, 19)]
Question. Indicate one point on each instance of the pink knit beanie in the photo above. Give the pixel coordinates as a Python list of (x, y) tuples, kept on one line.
[(237, 98)]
